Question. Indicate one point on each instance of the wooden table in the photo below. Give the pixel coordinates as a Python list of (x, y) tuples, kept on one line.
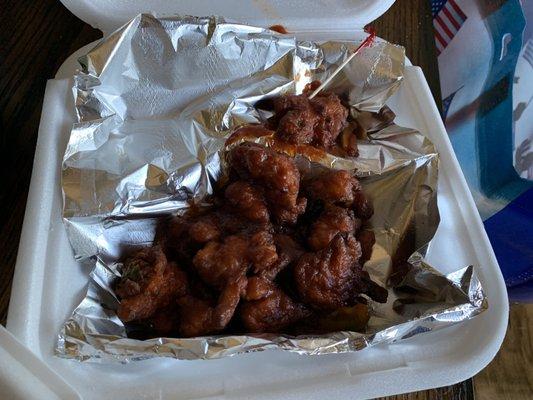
[(36, 37)]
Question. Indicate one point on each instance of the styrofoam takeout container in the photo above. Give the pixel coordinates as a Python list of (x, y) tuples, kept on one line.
[(49, 283)]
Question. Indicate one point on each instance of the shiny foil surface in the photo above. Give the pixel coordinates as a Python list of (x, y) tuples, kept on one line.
[(156, 102)]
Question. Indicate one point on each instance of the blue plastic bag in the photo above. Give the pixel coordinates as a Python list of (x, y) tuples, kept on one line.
[(486, 70)]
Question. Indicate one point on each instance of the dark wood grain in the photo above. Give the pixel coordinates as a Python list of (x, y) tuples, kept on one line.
[(37, 36), (510, 375), (410, 24)]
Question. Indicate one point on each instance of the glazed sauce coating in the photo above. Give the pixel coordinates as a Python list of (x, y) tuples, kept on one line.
[(279, 28), (274, 251)]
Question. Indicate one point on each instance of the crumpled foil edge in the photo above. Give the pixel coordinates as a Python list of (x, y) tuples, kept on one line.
[(74, 344)]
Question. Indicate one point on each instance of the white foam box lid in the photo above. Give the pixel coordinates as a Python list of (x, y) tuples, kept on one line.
[(48, 282)]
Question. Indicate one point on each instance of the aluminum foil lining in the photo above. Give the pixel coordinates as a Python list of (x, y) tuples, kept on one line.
[(156, 101)]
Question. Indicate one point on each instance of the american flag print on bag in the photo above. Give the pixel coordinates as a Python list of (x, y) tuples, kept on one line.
[(448, 18)]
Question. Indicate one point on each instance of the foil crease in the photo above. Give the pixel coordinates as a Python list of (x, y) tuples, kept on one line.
[(155, 103)]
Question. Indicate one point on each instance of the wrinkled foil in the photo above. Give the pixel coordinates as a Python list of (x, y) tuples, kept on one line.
[(155, 103)]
